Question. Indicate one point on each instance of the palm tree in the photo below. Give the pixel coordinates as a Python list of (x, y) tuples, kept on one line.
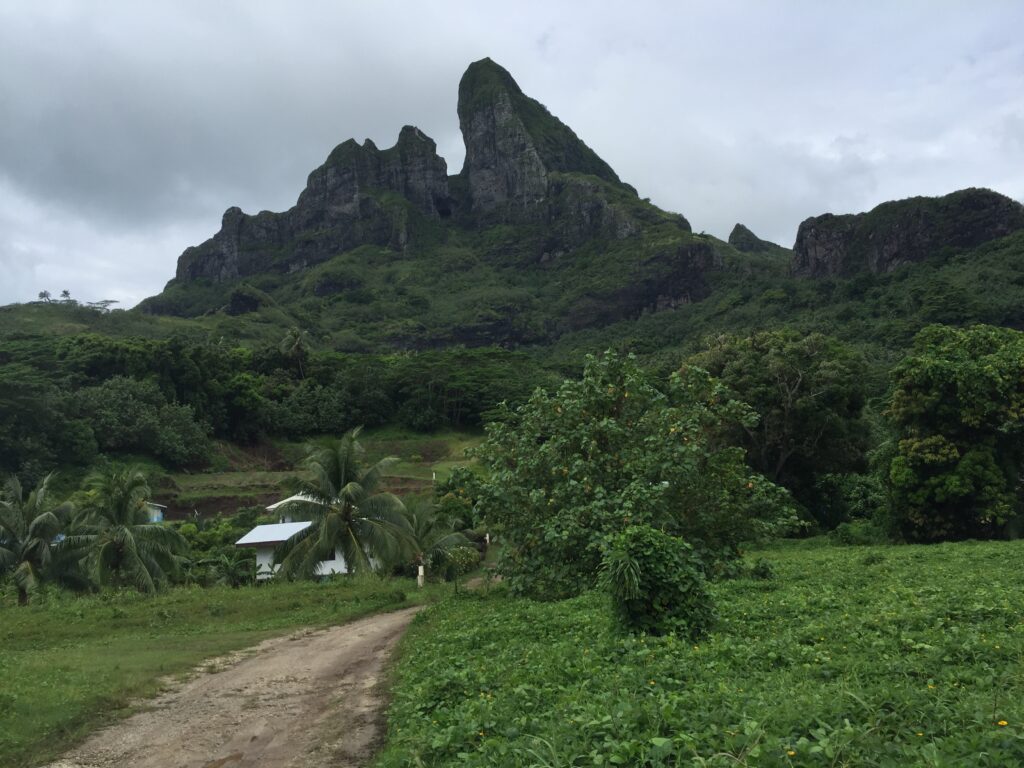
[(433, 534), (348, 514), (295, 346), (29, 527), (230, 569), (123, 547)]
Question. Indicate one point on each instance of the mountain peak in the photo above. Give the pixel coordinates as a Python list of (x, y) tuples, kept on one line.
[(513, 143), (742, 239)]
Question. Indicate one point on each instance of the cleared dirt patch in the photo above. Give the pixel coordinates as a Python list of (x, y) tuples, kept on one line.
[(308, 699)]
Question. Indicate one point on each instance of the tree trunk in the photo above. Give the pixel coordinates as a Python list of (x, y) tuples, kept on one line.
[(22, 596)]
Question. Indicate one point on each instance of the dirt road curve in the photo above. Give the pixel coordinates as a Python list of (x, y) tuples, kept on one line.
[(308, 699)]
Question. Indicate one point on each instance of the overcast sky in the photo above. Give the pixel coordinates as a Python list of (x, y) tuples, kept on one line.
[(127, 128)]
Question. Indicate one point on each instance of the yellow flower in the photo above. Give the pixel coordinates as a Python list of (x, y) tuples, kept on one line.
[(1002, 723), (919, 733), (791, 753), (650, 682)]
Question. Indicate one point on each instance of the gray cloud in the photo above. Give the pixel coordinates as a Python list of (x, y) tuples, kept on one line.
[(128, 127)]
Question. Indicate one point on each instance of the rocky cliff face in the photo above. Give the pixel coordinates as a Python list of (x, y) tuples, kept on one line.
[(534, 213), (523, 166), (343, 205), (902, 232), (513, 144)]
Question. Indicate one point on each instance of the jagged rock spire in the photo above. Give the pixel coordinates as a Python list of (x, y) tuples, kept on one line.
[(513, 143)]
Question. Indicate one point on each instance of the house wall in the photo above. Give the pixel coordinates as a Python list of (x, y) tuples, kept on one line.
[(337, 565), (265, 567)]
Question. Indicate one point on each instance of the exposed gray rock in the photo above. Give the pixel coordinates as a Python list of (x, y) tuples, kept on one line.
[(340, 208), (902, 232), (514, 146), (503, 166)]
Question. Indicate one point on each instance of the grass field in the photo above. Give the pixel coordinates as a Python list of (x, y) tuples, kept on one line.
[(869, 656), (69, 664)]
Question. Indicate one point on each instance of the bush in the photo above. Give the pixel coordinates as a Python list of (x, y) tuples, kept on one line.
[(858, 533), (656, 584), (762, 570), (621, 447)]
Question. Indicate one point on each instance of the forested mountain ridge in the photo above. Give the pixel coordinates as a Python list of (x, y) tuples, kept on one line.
[(535, 236), (393, 292), (536, 242)]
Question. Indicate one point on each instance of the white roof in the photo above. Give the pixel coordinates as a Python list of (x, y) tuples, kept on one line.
[(271, 534), (282, 502)]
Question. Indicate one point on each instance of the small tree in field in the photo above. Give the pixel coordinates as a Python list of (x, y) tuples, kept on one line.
[(616, 449), (656, 583), (461, 560)]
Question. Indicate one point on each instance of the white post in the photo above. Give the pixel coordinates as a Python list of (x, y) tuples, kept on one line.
[(420, 577)]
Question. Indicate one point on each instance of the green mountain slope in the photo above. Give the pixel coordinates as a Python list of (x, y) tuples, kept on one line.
[(416, 297), (535, 237)]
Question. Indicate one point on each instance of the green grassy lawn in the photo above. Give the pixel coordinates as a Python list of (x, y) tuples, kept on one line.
[(69, 664), (860, 656)]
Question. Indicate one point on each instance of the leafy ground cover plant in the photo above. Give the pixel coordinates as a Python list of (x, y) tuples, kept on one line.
[(852, 656)]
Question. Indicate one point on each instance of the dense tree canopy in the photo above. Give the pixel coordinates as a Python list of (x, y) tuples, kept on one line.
[(809, 392), (63, 400), (958, 408)]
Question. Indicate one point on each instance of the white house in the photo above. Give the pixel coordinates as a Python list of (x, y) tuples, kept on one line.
[(155, 512), (266, 538), (286, 516)]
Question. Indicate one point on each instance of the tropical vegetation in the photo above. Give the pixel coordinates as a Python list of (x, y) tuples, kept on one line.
[(619, 448), (120, 543), (867, 656), (30, 526)]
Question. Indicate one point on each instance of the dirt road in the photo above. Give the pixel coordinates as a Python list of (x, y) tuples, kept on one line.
[(307, 699)]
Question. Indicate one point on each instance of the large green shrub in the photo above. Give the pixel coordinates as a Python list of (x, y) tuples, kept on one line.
[(620, 447), (656, 583)]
